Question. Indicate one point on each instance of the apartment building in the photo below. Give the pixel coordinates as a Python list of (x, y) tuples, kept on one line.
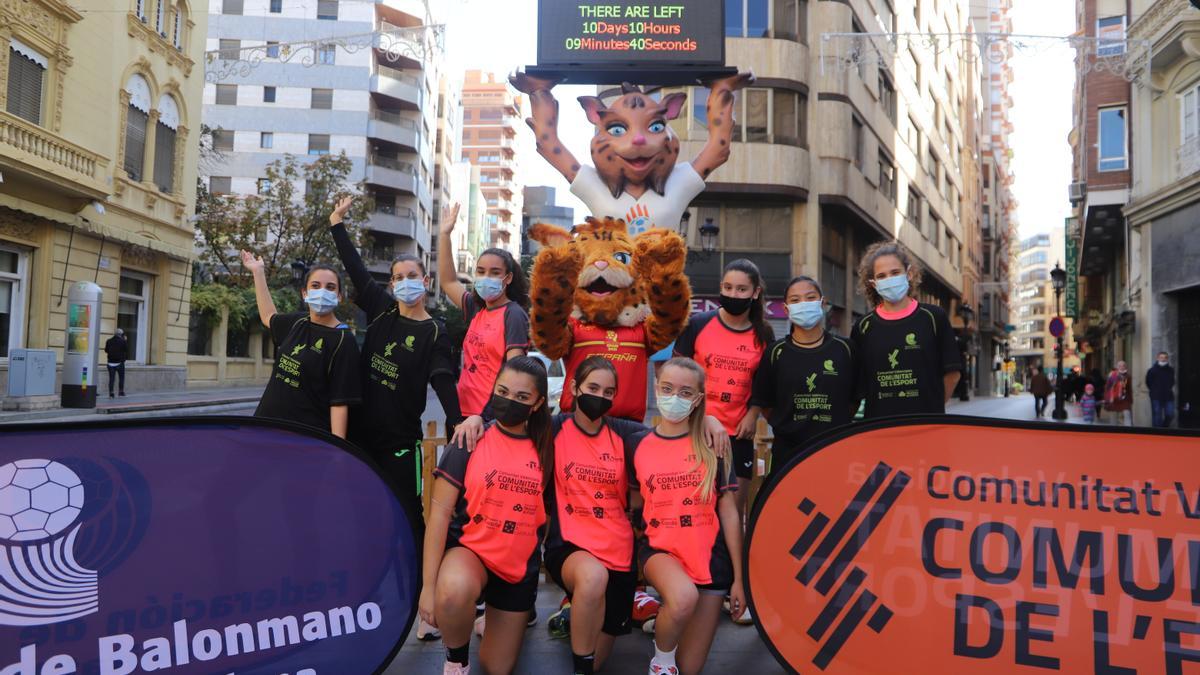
[(471, 232), (1034, 304), (447, 151), (492, 113), (541, 207), (99, 121)]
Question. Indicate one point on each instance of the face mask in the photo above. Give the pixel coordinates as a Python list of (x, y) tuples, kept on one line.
[(1162, 362), (408, 291), (320, 300), (508, 412), (673, 408), (893, 289), (735, 306), (806, 314), (489, 288), (593, 406)]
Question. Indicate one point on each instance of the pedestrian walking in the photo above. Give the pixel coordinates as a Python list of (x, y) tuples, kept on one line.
[(1160, 380), (486, 522), (116, 351), (1040, 387), (807, 382), (1088, 406), (496, 310), (1118, 395), (908, 354), (692, 551), (315, 378)]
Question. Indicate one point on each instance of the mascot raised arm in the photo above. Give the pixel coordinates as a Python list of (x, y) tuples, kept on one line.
[(600, 292), (636, 175)]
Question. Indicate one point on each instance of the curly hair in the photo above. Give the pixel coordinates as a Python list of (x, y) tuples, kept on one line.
[(866, 269)]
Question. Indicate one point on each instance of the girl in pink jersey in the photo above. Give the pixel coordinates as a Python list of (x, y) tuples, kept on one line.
[(486, 523)]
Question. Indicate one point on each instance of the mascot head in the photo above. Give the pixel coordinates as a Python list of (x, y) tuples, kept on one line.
[(633, 143), (607, 292)]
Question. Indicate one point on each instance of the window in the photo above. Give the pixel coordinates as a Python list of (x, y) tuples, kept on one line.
[(790, 20), (199, 335), (160, 17), (220, 185), (1110, 32), (887, 177), (229, 49), (912, 210), (987, 178), (914, 139), (222, 140), (227, 94), (788, 117), (322, 99), (935, 168), (931, 228), (327, 54), (757, 103), (887, 94), (987, 222), (266, 140), (1112, 139), (177, 33), (699, 107), (264, 185), (276, 6), (13, 283), (272, 50), (857, 142), (327, 10), (781, 19), (231, 6), (137, 121), (268, 94), (26, 77), (140, 9), (986, 263), (164, 144), (318, 144), (132, 301)]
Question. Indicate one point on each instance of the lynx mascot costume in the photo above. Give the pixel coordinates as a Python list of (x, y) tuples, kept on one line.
[(601, 292)]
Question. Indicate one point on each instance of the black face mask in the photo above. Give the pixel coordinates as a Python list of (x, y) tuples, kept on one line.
[(508, 412), (736, 306), (593, 406)]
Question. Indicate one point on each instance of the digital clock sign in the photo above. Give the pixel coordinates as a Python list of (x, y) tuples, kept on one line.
[(592, 40)]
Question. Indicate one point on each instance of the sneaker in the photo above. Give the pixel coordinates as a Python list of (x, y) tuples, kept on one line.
[(745, 619), (648, 626), (656, 669), (427, 633), (559, 623), (452, 668), (532, 618), (122, 394), (645, 607), (480, 624)]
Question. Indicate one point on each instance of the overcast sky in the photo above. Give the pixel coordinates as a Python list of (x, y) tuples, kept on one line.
[(500, 36)]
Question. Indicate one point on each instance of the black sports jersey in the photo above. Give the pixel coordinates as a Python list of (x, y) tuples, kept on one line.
[(315, 367), (807, 391), (902, 361)]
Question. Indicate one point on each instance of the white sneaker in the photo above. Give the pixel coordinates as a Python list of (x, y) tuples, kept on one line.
[(427, 633), (657, 669), (452, 668), (480, 624)]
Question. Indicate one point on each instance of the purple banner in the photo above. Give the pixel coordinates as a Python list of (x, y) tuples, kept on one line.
[(198, 545)]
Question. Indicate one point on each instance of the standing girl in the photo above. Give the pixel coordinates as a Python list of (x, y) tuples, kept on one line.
[(806, 383), (316, 376), (692, 548), (496, 312), (729, 343), (909, 356), (486, 522)]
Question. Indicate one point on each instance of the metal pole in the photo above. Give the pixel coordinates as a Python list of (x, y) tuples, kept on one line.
[(1060, 413)]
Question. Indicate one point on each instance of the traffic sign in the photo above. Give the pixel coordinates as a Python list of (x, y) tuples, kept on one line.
[(1057, 327)]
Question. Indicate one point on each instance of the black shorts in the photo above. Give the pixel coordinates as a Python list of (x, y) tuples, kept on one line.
[(505, 595), (720, 565), (743, 457), (403, 465), (618, 596)]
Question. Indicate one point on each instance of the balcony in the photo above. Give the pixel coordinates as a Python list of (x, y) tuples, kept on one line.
[(45, 157), (393, 128), (392, 173), (402, 86)]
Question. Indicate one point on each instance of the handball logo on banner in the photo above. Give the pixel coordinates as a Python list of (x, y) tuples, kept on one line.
[(40, 502)]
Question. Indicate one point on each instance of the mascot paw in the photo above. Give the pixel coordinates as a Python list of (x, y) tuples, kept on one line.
[(660, 247)]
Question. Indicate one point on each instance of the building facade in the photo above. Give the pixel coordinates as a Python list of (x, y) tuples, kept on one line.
[(1034, 305), (1164, 206), (492, 113), (97, 158), (447, 151), (540, 207), (471, 232)]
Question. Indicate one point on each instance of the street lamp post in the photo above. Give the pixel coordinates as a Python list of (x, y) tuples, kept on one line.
[(298, 270), (709, 233), (964, 384), (1058, 277)]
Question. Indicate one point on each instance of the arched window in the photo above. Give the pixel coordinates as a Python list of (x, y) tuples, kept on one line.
[(164, 144), (137, 118)]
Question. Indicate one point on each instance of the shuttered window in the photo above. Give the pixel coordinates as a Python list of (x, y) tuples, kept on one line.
[(135, 142), (227, 94), (222, 140), (229, 49), (25, 78), (322, 99), (178, 39), (327, 10), (164, 158), (231, 7), (220, 185), (318, 144)]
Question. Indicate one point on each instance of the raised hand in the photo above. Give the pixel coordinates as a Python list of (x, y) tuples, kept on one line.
[(528, 84), (252, 263), (449, 218), (339, 211)]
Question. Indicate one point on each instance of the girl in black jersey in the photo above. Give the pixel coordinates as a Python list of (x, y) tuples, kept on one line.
[(806, 382), (909, 354)]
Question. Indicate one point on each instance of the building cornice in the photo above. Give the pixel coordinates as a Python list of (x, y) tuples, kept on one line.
[(1154, 19), (1163, 201)]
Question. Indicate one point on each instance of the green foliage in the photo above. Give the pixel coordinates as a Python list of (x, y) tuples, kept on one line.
[(456, 326)]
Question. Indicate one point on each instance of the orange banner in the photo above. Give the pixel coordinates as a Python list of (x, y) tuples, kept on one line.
[(959, 545)]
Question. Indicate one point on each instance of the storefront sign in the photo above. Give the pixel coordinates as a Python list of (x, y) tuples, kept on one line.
[(1071, 292), (776, 309), (959, 545), (201, 545), (581, 38)]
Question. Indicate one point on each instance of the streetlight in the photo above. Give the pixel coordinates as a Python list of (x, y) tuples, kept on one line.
[(709, 234), (1058, 277), (964, 384), (298, 270)]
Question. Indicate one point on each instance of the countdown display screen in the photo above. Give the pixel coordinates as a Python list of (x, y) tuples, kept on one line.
[(605, 32)]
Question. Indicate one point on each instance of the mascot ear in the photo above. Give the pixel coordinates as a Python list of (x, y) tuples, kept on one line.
[(672, 105), (549, 235), (595, 109)]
